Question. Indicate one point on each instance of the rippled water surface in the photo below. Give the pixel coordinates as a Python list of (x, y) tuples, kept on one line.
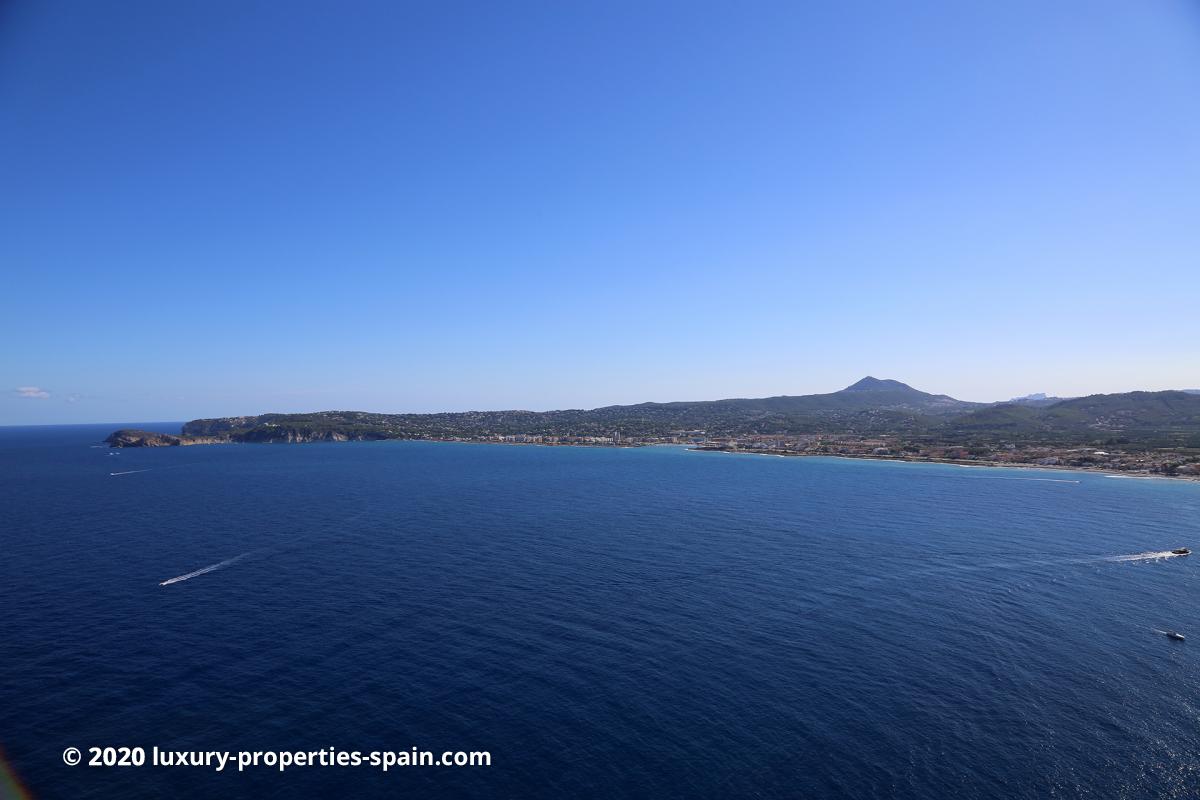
[(607, 623)]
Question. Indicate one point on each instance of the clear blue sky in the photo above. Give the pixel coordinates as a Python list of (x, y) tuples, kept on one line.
[(212, 208)]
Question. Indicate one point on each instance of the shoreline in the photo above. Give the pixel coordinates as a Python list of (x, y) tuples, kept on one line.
[(956, 462), (200, 441)]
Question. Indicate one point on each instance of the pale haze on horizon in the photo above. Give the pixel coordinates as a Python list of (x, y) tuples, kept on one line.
[(223, 208)]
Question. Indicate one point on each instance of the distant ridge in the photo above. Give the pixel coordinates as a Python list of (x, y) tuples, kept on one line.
[(871, 407), (1170, 418), (867, 395), (872, 384), (1037, 399)]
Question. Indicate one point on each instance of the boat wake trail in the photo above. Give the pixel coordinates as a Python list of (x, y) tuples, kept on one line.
[(1154, 556), (307, 542), (129, 472), (203, 570)]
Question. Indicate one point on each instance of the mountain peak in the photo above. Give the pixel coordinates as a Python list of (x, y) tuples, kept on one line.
[(870, 384)]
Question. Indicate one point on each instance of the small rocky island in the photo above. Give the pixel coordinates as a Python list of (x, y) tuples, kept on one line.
[(128, 437), (131, 437)]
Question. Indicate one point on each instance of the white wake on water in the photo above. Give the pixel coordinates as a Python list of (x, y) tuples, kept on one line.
[(130, 471), (203, 570), (1153, 556)]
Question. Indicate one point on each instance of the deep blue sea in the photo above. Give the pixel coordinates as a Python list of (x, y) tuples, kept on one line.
[(635, 623)]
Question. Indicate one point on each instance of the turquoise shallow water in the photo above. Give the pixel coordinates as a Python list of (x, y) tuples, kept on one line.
[(607, 623)]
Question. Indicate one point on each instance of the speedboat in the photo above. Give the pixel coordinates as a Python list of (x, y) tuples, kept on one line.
[(1176, 635), (1181, 551)]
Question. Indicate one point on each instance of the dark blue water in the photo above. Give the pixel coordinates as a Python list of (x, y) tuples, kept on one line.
[(607, 623)]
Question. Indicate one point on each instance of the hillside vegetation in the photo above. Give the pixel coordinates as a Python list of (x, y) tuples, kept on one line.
[(870, 407)]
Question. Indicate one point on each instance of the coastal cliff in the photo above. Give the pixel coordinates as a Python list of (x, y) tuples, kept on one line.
[(136, 438), (272, 434), (129, 437)]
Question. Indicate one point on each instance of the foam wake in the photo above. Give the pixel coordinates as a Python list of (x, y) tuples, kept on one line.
[(1152, 556), (203, 570)]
